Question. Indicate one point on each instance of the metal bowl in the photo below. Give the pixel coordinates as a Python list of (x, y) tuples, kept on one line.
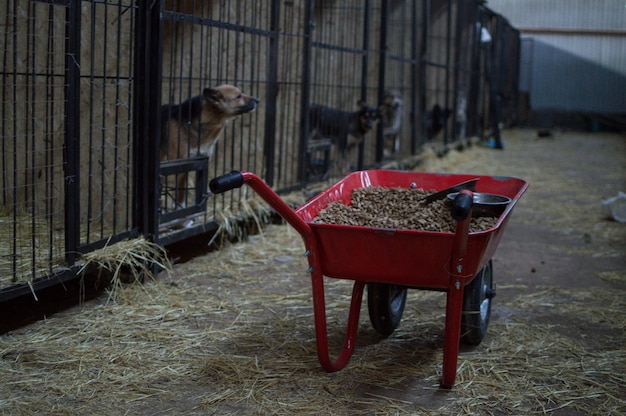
[(486, 205)]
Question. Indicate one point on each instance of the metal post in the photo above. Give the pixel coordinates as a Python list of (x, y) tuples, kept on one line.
[(307, 51), (272, 92), (446, 131), (415, 81), (384, 25), (364, 64), (460, 26), (146, 120), (72, 131), (423, 66), (474, 89)]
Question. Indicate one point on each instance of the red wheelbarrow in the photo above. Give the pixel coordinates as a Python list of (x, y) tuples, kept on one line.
[(389, 261)]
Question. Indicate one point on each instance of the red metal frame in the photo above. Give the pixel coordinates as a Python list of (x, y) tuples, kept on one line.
[(430, 260)]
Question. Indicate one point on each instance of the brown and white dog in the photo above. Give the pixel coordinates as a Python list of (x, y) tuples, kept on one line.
[(391, 113), (193, 127)]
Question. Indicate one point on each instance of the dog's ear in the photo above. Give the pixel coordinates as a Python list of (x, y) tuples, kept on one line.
[(362, 104), (212, 95)]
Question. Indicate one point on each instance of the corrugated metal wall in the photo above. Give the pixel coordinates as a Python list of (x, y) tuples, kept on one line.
[(564, 14), (576, 51)]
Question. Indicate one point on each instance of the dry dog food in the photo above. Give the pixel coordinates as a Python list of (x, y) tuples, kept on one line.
[(396, 208)]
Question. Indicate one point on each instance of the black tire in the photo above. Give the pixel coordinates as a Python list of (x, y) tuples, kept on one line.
[(477, 306), (385, 303)]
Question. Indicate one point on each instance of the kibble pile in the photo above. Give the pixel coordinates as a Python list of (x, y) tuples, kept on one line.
[(396, 208)]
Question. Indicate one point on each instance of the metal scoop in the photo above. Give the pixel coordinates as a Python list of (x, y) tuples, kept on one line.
[(470, 185)]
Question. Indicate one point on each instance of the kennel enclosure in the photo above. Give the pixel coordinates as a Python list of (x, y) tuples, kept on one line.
[(83, 83)]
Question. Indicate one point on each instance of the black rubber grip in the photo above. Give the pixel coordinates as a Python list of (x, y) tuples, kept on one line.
[(461, 206), (226, 182)]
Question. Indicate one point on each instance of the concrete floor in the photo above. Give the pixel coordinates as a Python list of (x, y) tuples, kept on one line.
[(555, 343)]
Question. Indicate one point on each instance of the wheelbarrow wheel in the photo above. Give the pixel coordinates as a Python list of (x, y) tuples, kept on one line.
[(385, 303), (477, 306)]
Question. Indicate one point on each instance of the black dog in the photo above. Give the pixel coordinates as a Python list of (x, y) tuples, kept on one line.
[(436, 120), (345, 129)]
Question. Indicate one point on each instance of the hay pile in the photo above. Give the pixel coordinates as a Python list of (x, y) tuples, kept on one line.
[(128, 261), (232, 333)]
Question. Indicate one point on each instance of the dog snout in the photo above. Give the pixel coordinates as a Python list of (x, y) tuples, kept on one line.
[(249, 104), (251, 101), (372, 119), (249, 98)]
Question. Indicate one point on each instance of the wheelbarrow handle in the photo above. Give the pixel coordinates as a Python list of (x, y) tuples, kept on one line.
[(236, 179), (226, 182), (462, 205)]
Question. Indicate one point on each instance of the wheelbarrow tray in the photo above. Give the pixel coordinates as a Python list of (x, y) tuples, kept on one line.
[(405, 257)]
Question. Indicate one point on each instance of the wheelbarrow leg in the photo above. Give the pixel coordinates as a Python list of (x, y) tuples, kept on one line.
[(452, 334), (321, 334), (454, 303)]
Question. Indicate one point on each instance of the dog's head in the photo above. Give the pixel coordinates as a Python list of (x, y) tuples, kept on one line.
[(440, 115), (368, 116), (436, 119), (392, 100), (229, 101), (391, 108)]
